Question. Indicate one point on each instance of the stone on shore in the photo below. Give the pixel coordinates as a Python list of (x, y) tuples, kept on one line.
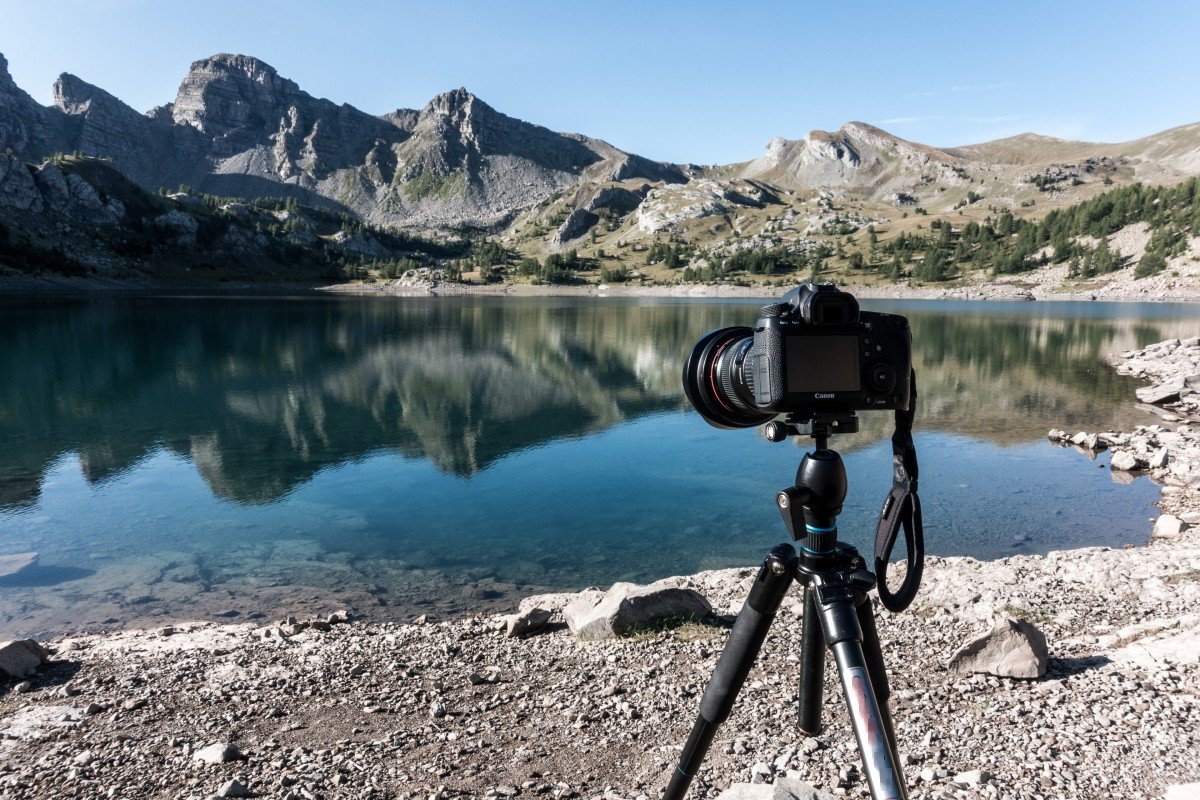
[(1168, 526), (527, 623), (218, 753), (21, 658), (1166, 392), (17, 563), (1012, 649), (627, 606), (1125, 461)]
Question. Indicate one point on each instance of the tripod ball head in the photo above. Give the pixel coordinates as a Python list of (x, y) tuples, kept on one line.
[(824, 475)]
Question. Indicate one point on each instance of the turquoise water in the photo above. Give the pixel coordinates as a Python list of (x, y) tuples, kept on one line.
[(177, 458)]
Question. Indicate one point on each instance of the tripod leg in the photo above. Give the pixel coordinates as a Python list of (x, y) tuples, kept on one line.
[(812, 665), (745, 640), (873, 654), (843, 631)]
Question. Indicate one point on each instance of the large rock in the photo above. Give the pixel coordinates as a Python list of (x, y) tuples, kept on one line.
[(627, 606), (17, 563), (21, 658), (527, 623), (1168, 526), (218, 753), (1125, 461), (1166, 392), (1012, 649)]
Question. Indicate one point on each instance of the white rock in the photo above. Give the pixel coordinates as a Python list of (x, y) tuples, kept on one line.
[(218, 753), (972, 777), (1124, 461), (1168, 526)]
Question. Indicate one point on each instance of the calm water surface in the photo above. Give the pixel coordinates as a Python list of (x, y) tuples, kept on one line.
[(177, 458)]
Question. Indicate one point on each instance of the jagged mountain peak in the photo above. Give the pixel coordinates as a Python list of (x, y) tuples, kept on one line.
[(6, 79), (226, 92), (74, 95)]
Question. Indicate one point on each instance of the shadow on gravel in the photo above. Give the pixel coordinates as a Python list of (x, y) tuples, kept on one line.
[(56, 673), (1066, 667)]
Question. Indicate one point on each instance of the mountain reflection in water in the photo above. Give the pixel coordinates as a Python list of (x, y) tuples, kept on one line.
[(395, 449), (261, 395)]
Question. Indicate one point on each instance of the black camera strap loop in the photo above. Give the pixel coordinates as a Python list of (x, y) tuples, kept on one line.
[(901, 510)]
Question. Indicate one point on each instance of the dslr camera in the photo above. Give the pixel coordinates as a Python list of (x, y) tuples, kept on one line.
[(812, 352)]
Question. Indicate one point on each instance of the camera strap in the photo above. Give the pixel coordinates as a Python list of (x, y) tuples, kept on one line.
[(901, 510)]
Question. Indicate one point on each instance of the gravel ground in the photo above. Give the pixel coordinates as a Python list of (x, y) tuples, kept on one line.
[(455, 708)]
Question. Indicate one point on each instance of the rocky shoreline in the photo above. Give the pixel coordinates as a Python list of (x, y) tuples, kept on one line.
[(457, 707), (1031, 287)]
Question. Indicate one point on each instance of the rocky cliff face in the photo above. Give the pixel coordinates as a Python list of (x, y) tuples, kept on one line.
[(856, 156), (236, 127)]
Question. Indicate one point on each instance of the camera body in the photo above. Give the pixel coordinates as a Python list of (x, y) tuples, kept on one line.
[(816, 351), (813, 351)]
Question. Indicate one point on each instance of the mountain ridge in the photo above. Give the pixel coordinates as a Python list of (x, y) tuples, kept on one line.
[(237, 127)]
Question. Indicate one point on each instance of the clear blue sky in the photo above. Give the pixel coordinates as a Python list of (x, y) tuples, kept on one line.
[(705, 82)]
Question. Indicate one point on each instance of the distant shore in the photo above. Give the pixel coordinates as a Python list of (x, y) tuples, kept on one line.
[(1179, 291)]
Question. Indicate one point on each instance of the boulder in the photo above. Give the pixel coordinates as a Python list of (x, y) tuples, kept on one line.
[(17, 563), (1125, 461), (627, 606), (528, 622), (1168, 526), (1012, 649), (233, 788), (1166, 392), (21, 658), (218, 753)]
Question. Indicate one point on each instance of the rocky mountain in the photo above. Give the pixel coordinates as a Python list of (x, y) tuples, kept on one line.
[(857, 155), (236, 127), (862, 160)]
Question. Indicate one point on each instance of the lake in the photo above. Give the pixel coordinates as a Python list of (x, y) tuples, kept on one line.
[(228, 458)]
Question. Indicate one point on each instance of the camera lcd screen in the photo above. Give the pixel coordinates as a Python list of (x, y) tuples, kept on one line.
[(822, 364)]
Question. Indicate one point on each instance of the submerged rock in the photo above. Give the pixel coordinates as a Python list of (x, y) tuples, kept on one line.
[(17, 563)]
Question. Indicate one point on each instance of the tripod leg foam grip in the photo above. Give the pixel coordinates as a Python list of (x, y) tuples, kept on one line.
[(748, 634)]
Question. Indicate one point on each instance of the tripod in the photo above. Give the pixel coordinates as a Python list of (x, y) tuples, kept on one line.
[(837, 615)]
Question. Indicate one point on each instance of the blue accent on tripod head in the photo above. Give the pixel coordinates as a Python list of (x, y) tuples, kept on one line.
[(814, 529)]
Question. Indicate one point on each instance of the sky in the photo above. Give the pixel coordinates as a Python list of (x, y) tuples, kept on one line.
[(700, 82)]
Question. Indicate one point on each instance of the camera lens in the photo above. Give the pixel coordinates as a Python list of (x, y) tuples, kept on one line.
[(715, 383)]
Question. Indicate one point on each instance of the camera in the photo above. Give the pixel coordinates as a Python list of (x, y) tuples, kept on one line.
[(812, 352)]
